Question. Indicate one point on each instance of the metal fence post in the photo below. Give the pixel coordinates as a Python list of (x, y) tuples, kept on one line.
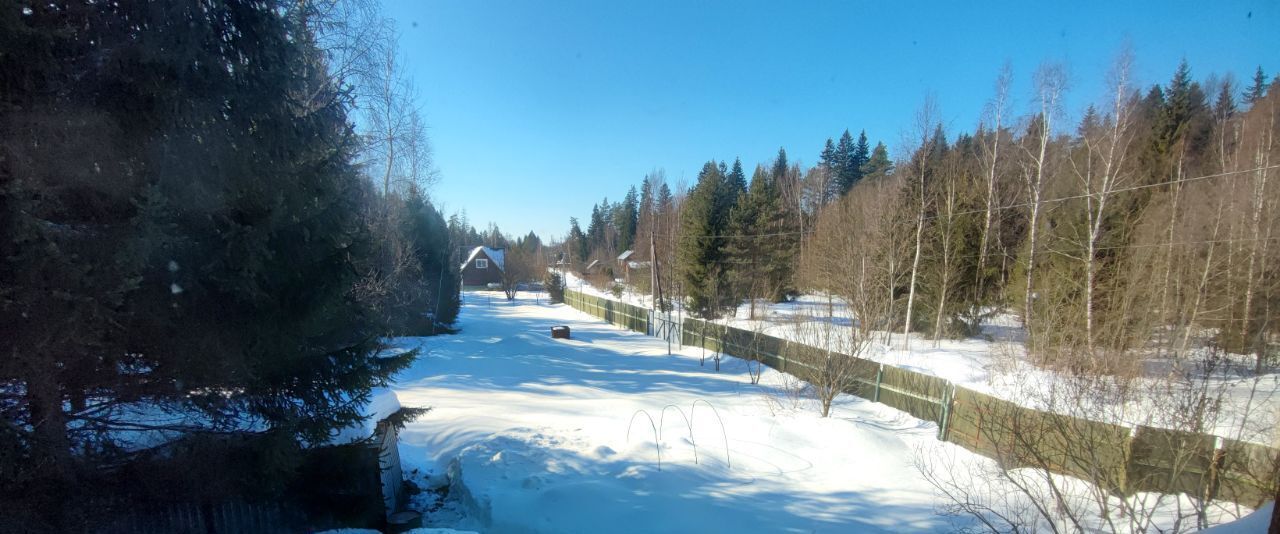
[(669, 331), (947, 394), (879, 377)]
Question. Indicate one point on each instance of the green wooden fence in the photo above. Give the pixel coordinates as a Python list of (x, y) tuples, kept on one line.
[(1122, 459)]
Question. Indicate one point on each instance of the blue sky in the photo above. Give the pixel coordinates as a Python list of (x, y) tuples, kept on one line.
[(537, 110)]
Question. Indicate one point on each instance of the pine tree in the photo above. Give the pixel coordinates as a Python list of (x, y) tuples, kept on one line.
[(737, 179), (191, 242), (577, 242), (597, 229), (844, 159), (645, 221), (848, 159), (828, 157), (828, 187), (625, 219), (701, 254), (774, 223), (429, 240), (861, 152), (878, 165), (743, 249), (1258, 89), (664, 198), (1224, 106)]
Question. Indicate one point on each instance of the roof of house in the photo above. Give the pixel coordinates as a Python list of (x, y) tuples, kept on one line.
[(625, 255), (592, 264), (496, 255)]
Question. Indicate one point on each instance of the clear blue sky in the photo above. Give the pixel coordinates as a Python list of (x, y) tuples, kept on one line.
[(537, 110)]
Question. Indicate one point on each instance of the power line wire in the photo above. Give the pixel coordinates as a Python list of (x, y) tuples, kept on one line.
[(1002, 208)]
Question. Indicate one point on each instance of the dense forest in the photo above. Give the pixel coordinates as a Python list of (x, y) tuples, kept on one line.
[(211, 216), (1148, 222)]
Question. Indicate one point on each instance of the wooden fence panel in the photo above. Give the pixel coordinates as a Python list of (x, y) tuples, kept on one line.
[(1111, 456), (1249, 473), (918, 394), (974, 423), (1170, 461)]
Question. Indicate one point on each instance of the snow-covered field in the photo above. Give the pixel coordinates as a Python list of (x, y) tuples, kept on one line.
[(543, 435), (996, 365)]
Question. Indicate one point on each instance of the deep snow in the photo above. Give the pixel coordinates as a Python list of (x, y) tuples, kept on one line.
[(535, 431), (542, 435), (996, 365)]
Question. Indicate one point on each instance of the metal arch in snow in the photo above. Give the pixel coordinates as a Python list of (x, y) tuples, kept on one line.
[(656, 446), (723, 432), (687, 423)]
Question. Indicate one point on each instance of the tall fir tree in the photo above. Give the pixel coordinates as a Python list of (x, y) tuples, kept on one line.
[(577, 242), (186, 231), (878, 165), (1258, 90), (737, 179), (626, 217), (430, 241), (701, 256)]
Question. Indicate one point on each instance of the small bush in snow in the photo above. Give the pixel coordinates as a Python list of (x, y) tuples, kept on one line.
[(555, 287)]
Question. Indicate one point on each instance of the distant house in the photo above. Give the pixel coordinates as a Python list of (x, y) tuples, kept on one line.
[(625, 265), (483, 267), (590, 268)]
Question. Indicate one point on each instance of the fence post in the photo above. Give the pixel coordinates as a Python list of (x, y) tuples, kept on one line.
[(1215, 469), (879, 377), (947, 393), (668, 336)]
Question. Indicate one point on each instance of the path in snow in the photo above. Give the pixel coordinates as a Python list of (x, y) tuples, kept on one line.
[(536, 431)]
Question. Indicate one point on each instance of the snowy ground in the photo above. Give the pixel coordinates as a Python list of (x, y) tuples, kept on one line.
[(996, 365), (542, 435), (536, 431)]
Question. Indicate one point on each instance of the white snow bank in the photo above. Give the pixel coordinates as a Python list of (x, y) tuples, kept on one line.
[(383, 402)]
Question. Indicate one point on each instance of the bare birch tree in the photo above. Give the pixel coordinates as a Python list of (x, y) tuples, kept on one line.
[(1103, 172), (1050, 83), (926, 125)]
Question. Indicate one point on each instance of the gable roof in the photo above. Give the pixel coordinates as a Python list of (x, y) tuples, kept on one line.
[(625, 255), (496, 255)]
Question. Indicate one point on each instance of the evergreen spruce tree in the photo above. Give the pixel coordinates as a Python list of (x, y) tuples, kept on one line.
[(701, 257), (844, 158), (878, 165), (597, 229), (861, 153), (828, 157), (577, 242), (743, 248), (737, 179), (829, 161), (626, 217), (644, 223), (778, 244), (429, 240), (1258, 89), (186, 230), (664, 199), (1224, 106)]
